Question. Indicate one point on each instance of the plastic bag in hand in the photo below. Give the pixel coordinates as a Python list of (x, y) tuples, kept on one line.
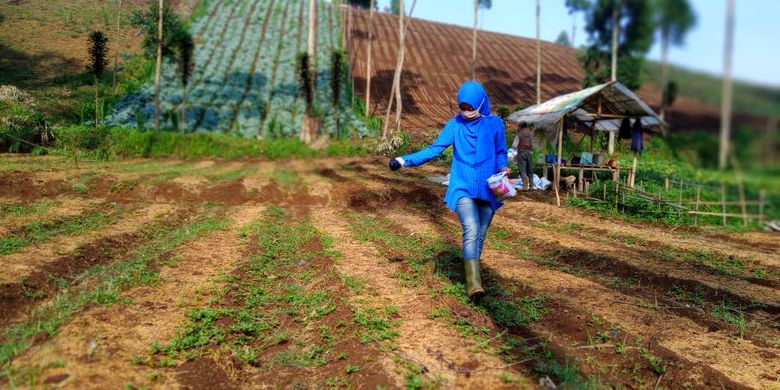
[(501, 187)]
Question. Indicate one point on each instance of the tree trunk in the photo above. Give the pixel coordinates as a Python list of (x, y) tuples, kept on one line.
[(402, 52), (116, 54), (573, 28), (402, 27), (538, 55), (664, 76), (769, 144), (725, 110), (157, 71), (615, 32), (183, 115), (311, 44), (368, 65), (97, 101), (474, 43)]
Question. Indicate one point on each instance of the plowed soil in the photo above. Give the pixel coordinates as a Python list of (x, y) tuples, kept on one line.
[(373, 295)]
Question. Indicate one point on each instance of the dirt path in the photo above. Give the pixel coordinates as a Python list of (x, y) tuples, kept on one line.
[(98, 346), (422, 339)]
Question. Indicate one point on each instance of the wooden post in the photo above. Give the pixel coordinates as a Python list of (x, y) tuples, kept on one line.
[(723, 201), (604, 189), (666, 185), (633, 172), (761, 206), (581, 179), (558, 164), (740, 187), (617, 193), (696, 216), (679, 197)]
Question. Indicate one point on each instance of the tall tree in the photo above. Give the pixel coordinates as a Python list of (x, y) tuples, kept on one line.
[(97, 64), (538, 54), (368, 60), (575, 6), (725, 109), (337, 73), (116, 53), (478, 4), (311, 42), (563, 39), (396, 7), (158, 66), (399, 66), (674, 18), (185, 71), (635, 25)]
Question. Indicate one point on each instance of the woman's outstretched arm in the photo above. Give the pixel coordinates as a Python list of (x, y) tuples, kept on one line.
[(445, 139)]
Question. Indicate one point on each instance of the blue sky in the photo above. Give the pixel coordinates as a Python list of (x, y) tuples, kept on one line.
[(756, 55)]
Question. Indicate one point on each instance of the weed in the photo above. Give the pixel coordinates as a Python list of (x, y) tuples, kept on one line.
[(351, 369), (110, 280)]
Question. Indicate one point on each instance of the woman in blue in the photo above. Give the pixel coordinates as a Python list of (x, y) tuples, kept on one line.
[(478, 152)]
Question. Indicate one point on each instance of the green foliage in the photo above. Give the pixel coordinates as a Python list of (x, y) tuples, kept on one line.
[(147, 22), (674, 19), (635, 39), (563, 39), (97, 53)]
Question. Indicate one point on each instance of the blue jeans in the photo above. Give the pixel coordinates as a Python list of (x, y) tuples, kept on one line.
[(475, 216)]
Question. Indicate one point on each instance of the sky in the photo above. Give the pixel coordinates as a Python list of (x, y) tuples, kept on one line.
[(756, 56)]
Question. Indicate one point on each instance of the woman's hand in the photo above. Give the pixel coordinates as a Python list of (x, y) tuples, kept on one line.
[(506, 170), (395, 163)]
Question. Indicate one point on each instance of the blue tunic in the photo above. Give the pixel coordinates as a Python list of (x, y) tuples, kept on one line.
[(479, 149)]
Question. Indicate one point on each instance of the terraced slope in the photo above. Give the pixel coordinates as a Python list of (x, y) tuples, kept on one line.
[(337, 273), (244, 80), (438, 60)]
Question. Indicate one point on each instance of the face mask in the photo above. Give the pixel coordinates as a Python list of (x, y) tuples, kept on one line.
[(471, 115)]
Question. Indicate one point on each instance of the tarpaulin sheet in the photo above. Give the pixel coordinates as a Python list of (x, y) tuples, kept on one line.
[(616, 100)]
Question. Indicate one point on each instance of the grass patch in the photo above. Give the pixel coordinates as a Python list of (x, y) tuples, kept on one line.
[(103, 284), (9, 209), (278, 300), (39, 232)]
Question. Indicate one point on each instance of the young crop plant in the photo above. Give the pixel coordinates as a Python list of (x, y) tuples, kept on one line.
[(98, 50)]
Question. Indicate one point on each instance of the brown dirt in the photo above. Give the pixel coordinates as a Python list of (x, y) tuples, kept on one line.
[(202, 374)]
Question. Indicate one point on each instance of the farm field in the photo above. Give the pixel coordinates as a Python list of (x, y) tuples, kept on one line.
[(337, 273), (244, 80)]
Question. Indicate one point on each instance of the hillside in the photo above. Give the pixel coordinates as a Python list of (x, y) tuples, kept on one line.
[(245, 79), (438, 59), (748, 98)]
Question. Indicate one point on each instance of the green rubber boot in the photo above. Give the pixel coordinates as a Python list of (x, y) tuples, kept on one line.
[(473, 279)]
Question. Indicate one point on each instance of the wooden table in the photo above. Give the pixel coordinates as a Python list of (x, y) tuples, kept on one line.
[(583, 168)]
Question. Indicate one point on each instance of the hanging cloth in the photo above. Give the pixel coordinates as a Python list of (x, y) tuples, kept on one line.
[(625, 129), (636, 137)]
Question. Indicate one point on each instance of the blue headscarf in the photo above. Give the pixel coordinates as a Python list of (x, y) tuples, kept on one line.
[(474, 94)]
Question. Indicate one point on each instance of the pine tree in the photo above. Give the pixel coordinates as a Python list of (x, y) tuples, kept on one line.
[(97, 64)]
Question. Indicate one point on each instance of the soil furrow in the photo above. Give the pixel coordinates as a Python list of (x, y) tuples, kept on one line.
[(19, 265), (102, 344)]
